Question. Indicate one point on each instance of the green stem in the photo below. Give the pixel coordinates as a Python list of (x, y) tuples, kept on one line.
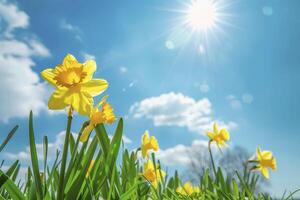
[(74, 153), (212, 159), (60, 191)]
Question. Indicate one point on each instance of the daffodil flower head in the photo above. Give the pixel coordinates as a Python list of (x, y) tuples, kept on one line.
[(151, 174), (148, 143), (97, 116), (188, 189), (74, 85), (220, 137), (265, 160)]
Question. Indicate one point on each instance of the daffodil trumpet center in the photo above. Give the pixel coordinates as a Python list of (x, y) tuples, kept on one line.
[(69, 77)]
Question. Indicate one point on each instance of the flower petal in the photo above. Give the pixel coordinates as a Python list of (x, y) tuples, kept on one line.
[(274, 164), (148, 166), (215, 126), (225, 134), (81, 102), (57, 100), (258, 153), (89, 67), (70, 61), (265, 172), (145, 138), (94, 87), (266, 155), (154, 143), (211, 135), (48, 75)]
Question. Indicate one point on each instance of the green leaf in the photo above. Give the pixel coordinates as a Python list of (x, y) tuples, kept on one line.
[(103, 138), (10, 187), (12, 168), (34, 159), (74, 188), (8, 137), (45, 154)]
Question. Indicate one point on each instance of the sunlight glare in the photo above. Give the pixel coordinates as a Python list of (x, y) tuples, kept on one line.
[(201, 14)]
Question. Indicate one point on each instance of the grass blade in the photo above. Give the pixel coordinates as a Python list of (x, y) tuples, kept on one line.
[(34, 159), (8, 137)]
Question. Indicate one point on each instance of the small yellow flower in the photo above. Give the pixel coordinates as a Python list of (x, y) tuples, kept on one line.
[(188, 189), (220, 137), (74, 85), (105, 115), (153, 175), (90, 168), (265, 160), (148, 143)]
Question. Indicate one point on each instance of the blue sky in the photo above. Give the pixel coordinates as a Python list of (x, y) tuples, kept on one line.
[(243, 74)]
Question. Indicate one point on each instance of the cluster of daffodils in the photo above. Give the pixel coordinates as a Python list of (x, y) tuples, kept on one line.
[(151, 171), (263, 159), (75, 89)]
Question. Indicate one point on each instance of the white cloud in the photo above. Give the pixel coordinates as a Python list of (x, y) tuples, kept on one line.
[(88, 56), (13, 47), (20, 84), (71, 28), (181, 154), (67, 26), (22, 175), (13, 17), (236, 104), (175, 109), (125, 139)]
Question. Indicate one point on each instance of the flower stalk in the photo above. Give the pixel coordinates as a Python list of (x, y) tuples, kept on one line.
[(60, 191), (211, 158)]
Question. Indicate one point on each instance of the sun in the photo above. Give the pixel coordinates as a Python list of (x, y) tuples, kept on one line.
[(201, 14), (200, 24)]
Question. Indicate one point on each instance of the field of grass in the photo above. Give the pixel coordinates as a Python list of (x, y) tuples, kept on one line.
[(98, 168)]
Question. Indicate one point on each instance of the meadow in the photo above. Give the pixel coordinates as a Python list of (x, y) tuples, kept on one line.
[(94, 166)]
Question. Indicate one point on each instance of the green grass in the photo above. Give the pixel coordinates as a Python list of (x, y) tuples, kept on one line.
[(116, 174)]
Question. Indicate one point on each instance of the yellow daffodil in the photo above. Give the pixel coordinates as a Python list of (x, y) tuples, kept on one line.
[(90, 168), (220, 137), (104, 115), (188, 189), (151, 174), (265, 160), (148, 143), (74, 85)]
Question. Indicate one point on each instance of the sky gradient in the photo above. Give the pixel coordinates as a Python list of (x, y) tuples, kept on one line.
[(243, 74)]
